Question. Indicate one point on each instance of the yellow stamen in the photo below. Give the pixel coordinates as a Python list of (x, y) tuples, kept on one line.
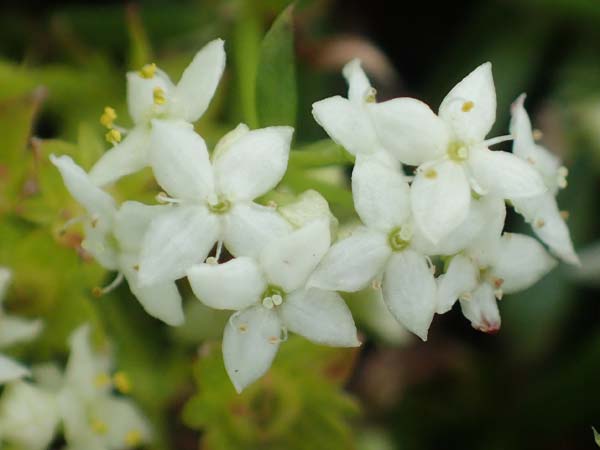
[(537, 134), (133, 438), (102, 380), (122, 383), (467, 106), (97, 292), (98, 426), (148, 71), (108, 117), (113, 136), (159, 96), (564, 215), (431, 174)]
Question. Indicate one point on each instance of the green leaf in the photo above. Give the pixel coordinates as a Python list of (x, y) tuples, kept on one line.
[(596, 437), (298, 404), (276, 92)]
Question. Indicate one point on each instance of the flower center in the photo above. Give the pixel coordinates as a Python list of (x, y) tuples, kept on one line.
[(219, 208), (399, 238), (272, 297), (457, 151)]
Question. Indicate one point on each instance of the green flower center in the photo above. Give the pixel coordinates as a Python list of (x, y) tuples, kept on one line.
[(458, 152), (272, 297), (399, 238), (219, 208)]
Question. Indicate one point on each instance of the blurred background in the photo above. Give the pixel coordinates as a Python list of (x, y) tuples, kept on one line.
[(532, 386)]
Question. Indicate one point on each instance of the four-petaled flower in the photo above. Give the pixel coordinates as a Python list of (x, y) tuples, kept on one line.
[(271, 297)]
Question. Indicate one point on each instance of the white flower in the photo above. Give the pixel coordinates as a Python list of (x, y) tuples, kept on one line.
[(151, 94), (452, 154), (491, 267), (383, 246), (28, 416), (93, 417), (213, 201), (271, 297), (114, 238), (541, 211), (13, 330), (347, 121)]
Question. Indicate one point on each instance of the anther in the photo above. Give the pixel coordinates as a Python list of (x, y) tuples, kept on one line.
[(273, 340), (539, 223), (133, 438), (243, 328), (565, 215), (376, 284), (113, 136), (467, 106), (277, 299), (98, 291), (122, 382), (148, 71), (98, 426), (159, 96), (431, 174), (102, 380), (108, 117), (537, 134), (136, 267), (371, 95)]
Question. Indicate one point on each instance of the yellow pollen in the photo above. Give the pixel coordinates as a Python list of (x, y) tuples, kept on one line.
[(431, 174), (98, 426), (467, 106), (159, 96), (498, 282), (243, 328), (113, 136), (537, 134), (133, 438), (371, 96), (148, 71), (122, 383), (97, 292), (540, 223), (102, 380), (273, 340), (108, 117), (565, 215)]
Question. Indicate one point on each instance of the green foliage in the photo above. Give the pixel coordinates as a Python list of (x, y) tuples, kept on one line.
[(596, 436), (298, 405), (276, 91)]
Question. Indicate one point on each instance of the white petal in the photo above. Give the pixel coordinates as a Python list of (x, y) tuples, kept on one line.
[(254, 163), (14, 329), (308, 206), (180, 162), (97, 242), (320, 316), (176, 241), (132, 221), (521, 262), (460, 278), (97, 202), (248, 228), (503, 174), (228, 139), (440, 199), (358, 83), (347, 124), (235, 284), (199, 81), (544, 216), (381, 194), (288, 261), (410, 130), (409, 291), (140, 95), (28, 416), (520, 128), (352, 263), (160, 300), (11, 370), (127, 157), (85, 364), (121, 417), (483, 248), (250, 343), (482, 309), (471, 122)]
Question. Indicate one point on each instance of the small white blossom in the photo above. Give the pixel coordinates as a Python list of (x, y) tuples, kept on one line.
[(151, 94), (114, 237), (452, 153), (29, 416), (212, 201), (13, 330), (271, 297), (347, 121), (385, 245), (93, 417), (541, 211), (491, 267)]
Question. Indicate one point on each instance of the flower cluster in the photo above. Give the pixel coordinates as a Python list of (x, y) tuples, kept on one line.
[(85, 401), (284, 274)]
